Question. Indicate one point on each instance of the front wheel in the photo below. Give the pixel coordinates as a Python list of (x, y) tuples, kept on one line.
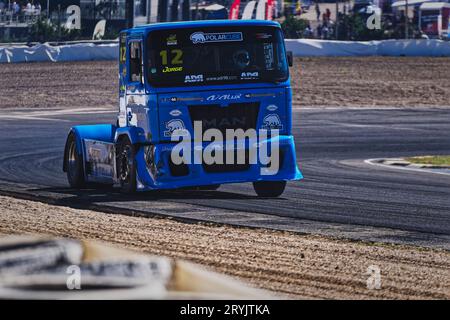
[(126, 166), (74, 164), (269, 189)]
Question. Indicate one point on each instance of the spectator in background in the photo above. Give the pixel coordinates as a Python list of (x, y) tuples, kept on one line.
[(325, 32), (324, 19), (16, 8), (308, 32), (328, 13), (317, 11)]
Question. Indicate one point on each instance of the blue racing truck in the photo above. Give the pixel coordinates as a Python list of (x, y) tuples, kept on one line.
[(187, 88)]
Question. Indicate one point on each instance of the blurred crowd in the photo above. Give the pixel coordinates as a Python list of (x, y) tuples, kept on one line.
[(19, 11), (324, 25)]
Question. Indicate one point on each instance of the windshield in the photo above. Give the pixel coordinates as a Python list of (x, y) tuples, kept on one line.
[(186, 57)]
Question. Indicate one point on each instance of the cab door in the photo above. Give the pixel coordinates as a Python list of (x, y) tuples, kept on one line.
[(135, 95)]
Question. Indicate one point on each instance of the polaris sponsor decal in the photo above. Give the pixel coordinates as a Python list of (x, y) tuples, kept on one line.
[(221, 97), (175, 126), (249, 75), (193, 78), (271, 122), (201, 37)]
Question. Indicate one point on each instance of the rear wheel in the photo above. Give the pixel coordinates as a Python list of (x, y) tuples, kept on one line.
[(126, 164), (269, 188), (74, 164)]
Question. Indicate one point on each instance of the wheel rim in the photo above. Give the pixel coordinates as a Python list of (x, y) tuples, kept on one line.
[(72, 159), (125, 165)]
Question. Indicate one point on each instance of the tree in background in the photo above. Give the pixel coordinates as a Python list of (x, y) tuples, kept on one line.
[(44, 31), (293, 28)]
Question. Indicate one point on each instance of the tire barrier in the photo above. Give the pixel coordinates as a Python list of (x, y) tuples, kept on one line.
[(45, 268)]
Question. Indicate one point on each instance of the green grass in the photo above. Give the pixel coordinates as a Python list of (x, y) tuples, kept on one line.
[(433, 160)]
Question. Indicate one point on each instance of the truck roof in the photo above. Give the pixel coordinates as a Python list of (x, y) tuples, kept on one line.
[(201, 24)]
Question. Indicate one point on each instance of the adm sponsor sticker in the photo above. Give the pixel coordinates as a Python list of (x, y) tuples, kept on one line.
[(201, 37), (193, 78), (249, 75)]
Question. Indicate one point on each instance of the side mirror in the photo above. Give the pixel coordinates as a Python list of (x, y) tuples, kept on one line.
[(290, 58)]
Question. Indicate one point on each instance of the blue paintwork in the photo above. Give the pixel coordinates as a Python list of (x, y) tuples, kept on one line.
[(100, 132), (197, 176), (158, 107)]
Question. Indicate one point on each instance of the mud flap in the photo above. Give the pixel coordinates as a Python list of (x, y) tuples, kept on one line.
[(100, 161)]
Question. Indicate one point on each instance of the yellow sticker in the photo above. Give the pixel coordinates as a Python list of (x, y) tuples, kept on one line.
[(172, 69)]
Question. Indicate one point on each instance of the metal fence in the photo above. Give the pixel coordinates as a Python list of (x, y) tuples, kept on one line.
[(23, 18)]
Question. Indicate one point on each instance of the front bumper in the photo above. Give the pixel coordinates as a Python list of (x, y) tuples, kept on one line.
[(161, 176)]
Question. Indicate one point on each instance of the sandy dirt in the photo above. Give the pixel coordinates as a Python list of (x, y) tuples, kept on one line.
[(352, 82), (292, 265)]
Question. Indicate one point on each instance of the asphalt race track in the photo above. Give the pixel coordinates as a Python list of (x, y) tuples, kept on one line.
[(341, 196)]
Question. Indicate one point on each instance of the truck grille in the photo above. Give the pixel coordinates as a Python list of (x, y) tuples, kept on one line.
[(234, 116)]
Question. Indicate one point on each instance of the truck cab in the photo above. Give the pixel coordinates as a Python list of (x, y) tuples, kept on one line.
[(211, 93)]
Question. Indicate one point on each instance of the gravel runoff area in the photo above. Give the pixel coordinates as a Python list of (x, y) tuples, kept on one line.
[(328, 81), (291, 265)]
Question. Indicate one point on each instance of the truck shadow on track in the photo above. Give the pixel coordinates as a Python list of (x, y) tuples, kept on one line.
[(68, 196), (112, 201)]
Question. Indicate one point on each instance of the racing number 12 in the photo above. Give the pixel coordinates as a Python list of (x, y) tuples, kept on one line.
[(177, 54)]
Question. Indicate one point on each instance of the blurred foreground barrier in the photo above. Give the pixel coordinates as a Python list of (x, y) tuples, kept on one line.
[(45, 268), (300, 48)]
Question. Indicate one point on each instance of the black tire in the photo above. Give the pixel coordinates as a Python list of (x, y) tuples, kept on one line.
[(74, 163), (126, 165), (269, 189)]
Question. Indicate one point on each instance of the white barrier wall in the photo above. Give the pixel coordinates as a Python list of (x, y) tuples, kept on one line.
[(317, 48), (300, 48), (70, 52), (324, 48)]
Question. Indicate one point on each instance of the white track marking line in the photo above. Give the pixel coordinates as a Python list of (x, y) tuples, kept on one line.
[(374, 163), (19, 117), (44, 114)]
